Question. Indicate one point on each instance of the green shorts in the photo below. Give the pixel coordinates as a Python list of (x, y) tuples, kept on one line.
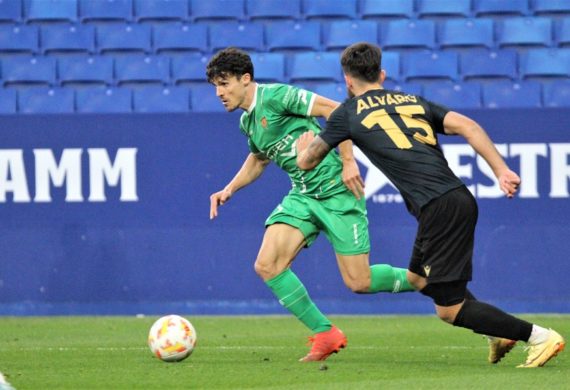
[(341, 217)]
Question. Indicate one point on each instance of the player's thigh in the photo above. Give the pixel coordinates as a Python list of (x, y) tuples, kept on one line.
[(355, 270), (281, 243)]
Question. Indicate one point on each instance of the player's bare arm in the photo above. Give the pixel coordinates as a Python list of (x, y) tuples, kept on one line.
[(311, 150), (252, 168), (455, 123)]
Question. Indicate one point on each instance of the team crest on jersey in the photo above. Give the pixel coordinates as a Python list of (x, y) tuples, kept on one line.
[(264, 122)]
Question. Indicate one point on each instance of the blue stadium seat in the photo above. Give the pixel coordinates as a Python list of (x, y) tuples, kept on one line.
[(500, 8), (123, 38), (141, 70), (50, 10), (326, 9), (430, 66), (46, 101), (161, 10), (494, 65), (334, 91), (161, 99), (246, 36), (203, 99), (545, 64), (550, 7), (8, 101), (410, 88), (531, 31), (315, 66), (387, 9), (180, 38), (455, 96), (444, 8), (391, 64), (213, 10), (505, 94), (24, 70), (103, 100), (466, 33), (88, 70), (11, 11), (557, 94), (408, 34), (562, 32), (106, 11), (189, 69), (76, 38), (18, 39), (340, 34), (268, 67), (293, 36), (273, 9)]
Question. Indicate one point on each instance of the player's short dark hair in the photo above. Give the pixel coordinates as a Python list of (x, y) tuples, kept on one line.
[(362, 61), (229, 62)]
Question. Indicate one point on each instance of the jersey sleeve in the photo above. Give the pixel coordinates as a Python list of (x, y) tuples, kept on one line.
[(436, 113), (287, 98), (336, 129)]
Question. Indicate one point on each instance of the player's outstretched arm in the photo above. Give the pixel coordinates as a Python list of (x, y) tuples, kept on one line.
[(252, 168), (311, 150), (455, 123)]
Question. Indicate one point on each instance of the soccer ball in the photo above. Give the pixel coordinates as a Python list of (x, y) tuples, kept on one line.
[(172, 338)]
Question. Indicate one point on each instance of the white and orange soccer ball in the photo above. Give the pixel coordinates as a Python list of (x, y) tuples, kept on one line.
[(172, 338)]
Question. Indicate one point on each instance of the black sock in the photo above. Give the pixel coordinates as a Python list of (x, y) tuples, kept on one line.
[(488, 320)]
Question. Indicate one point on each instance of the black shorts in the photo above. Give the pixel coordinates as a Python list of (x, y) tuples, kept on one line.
[(443, 249)]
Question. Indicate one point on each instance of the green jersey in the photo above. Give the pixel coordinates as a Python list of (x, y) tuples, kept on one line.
[(278, 115)]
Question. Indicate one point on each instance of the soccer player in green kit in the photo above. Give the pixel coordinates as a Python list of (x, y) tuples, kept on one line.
[(326, 199)]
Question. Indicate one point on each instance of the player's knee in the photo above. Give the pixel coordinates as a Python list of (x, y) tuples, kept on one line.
[(359, 285), (267, 269), (445, 315)]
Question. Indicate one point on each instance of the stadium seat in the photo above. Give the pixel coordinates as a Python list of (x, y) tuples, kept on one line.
[(141, 70), (88, 70), (334, 91), (101, 11), (180, 38), (391, 64), (489, 66), (408, 34), (562, 32), (326, 9), (315, 66), (411, 88), (545, 64), (161, 99), (269, 67), (557, 94), (8, 101), (46, 100), (293, 36), (444, 8), (387, 9), (430, 66), (25, 70), (103, 100), (505, 94), (213, 10), (161, 10), (454, 96), (50, 11), (550, 7), (188, 69), (524, 32), (76, 38), (273, 9), (246, 36), (466, 33), (10, 11), (340, 34), (123, 38), (500, 8), (18, 39), (203, 99)]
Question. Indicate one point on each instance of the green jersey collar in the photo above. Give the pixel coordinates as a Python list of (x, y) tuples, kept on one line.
[(254, 101)]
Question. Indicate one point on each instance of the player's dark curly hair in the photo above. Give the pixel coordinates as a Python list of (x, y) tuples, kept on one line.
[(229, 62), (362, 61)]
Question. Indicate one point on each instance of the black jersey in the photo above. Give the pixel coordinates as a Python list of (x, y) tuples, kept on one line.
[(398, 133)]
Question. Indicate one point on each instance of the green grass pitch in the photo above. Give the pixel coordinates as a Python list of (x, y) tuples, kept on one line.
[(384, 352)]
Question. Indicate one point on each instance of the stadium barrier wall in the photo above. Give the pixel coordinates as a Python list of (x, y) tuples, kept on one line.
[(109, 214)]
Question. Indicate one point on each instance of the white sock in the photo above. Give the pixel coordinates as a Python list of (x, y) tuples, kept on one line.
[(538, 335)]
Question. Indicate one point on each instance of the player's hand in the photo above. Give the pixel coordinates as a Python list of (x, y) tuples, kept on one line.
[(509, 182), (351, 177), (218, 199), (304, 141)]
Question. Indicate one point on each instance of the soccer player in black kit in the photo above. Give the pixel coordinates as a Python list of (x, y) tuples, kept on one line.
[(398, 133)]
